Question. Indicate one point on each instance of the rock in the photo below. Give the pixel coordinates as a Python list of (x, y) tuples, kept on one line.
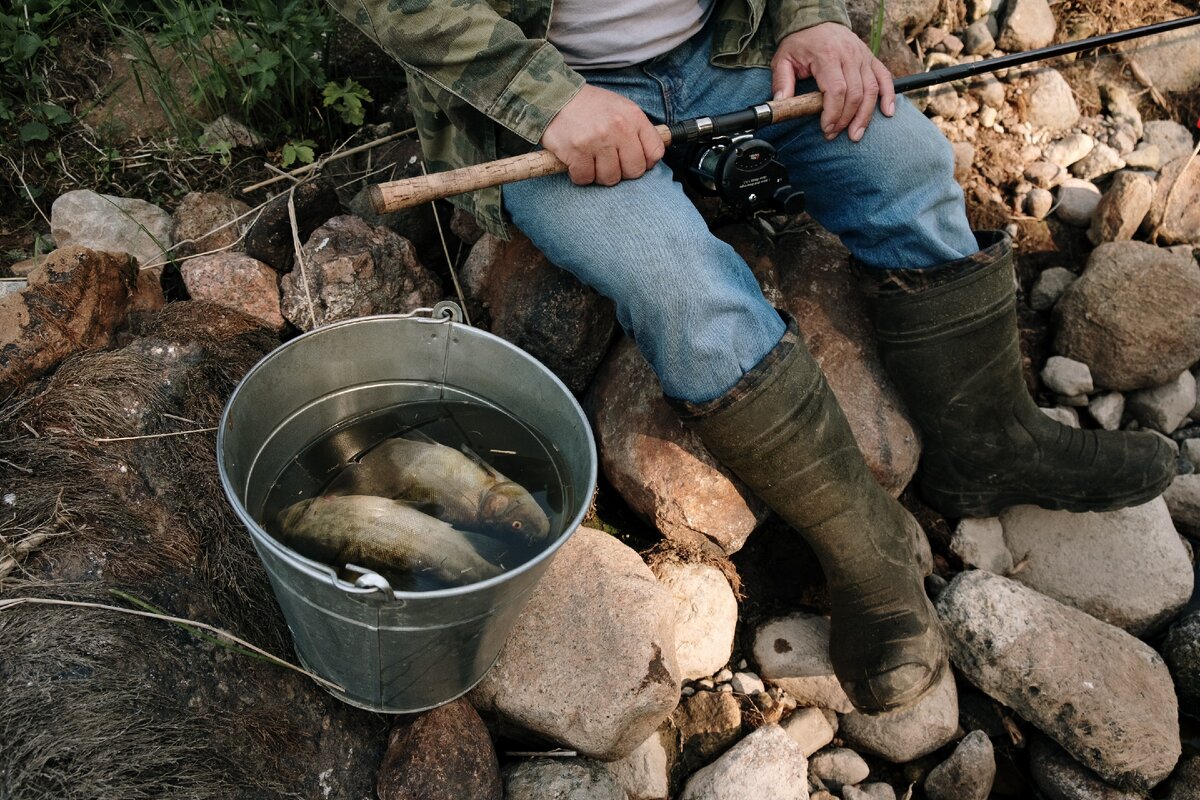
[(967, 774), (662, 470), (1183, 500), (1100, 162), (1107, 409), (792, 653), (1172, 139), (1171, 61), (1038, 203), (838, 767), (1123, 139), (1049, 287), (964, 158), (809, 728), (1063, 415), (1077, 201), (443, 754), (1144, 156), (269, 237), (907, 733), (643, 774), (945, 102), (597, 603), (464, 225), (1165, 407), (1182, 653), (1069, 149), (1061, 777), (747, 683), (909, 17), (237, 281), (977, 40), (103, 222), (353, 270), (980, 543), (767, 763), (1133, 316), (1191, 447), (1028, 24), (540, 308), (869, 791), (1066, 376), (1122, 107), (1050, 101), (1114, 710), (1045, 174), (1185, 783), (227, 129), (708, 723), (723, 676), (207, 221), (706, 615), (560, 779), (951, 45), (74, 301), (1125, 567), (1122, 208), (820, 292), (1174, 216)]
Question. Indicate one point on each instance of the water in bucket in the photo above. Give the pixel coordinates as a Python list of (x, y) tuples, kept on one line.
[(490, 434)]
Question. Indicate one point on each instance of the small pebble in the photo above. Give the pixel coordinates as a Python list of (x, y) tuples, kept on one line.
[(723, 676)]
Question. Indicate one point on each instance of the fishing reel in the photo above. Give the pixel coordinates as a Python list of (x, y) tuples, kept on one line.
[(743, 171)]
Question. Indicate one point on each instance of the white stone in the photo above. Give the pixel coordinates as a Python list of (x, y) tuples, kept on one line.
[(980, 543), (1049, 287), (1069, 149), (1191, 450), (1107, 409), (723, 675), (112, 224), (1077, 200), (869, 791), (705, 616), (1183, 499), (765, 764), (792, 653), (1067, 376), (1063, 415), (1103, 160), (1039, 203), (1144, 156), (1165, 407), (809, 728), (907, 733), (1172, 139), (562, 779), (747, 683), (643, 773), (838, 767), (1125, 567), (1028, 24), (1050, 102)]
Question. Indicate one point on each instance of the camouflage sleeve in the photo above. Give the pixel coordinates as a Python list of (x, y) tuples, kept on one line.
[(790, 16), (469, 50)]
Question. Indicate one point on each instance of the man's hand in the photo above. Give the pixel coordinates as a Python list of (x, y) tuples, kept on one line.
[(603, 137), (849, 76)]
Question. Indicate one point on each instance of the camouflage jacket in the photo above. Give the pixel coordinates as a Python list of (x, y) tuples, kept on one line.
[(484, 82)]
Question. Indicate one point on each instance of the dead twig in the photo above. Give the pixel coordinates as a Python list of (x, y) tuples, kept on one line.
[(152, 435), (323, 161), (17, 467), (291, 206)]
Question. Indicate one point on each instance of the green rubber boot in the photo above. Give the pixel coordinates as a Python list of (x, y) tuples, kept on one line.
[(782, 432), (948, 339)]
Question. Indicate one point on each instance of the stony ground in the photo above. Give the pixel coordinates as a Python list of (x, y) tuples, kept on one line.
[(677, 645)]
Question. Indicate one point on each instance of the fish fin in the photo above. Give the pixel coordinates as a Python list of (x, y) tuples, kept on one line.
[(485, 466)]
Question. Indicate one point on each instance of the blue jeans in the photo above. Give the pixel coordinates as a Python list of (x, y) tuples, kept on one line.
[(688, 300)]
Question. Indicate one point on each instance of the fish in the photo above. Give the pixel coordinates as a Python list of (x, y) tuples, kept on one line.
[(383, 534), (448, 484)]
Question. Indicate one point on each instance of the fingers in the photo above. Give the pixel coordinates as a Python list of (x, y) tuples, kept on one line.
[(887, 92), (582, 170), (832, 83), (631, 159), (783, 78), (854, 95), (866, 108), (608, 167), (653, 148)]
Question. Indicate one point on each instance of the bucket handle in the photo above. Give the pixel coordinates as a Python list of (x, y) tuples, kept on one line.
[(442, 311)]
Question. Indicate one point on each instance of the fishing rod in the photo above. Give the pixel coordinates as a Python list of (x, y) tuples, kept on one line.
[(737, 167)]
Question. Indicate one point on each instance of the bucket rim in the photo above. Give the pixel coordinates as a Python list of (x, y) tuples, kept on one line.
[(326, 573)]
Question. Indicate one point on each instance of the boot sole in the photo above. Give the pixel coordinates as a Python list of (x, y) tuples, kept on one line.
[(989, 503)]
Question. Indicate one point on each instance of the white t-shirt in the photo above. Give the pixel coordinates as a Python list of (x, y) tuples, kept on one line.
[(619, 33)]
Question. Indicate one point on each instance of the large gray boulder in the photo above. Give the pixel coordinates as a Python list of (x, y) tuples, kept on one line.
[(590, 663), (1170, 60), (112, 224), (1104, 696), (767, 763), (1128, 567), (907, 733), (1133, 316), (1174, 215), (792, 653)]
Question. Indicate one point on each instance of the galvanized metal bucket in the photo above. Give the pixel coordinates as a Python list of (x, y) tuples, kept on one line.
[(392, 651)]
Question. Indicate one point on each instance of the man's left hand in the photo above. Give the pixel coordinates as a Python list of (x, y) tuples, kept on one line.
[(849, 76)]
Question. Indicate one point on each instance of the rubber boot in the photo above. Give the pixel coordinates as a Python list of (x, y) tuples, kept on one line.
[(781, 431), (948, 339)]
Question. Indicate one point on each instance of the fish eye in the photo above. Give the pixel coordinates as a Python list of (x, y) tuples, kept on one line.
[(517, 525)]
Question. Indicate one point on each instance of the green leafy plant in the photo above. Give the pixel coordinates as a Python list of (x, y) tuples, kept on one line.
[(294, 151), (347, 99)]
